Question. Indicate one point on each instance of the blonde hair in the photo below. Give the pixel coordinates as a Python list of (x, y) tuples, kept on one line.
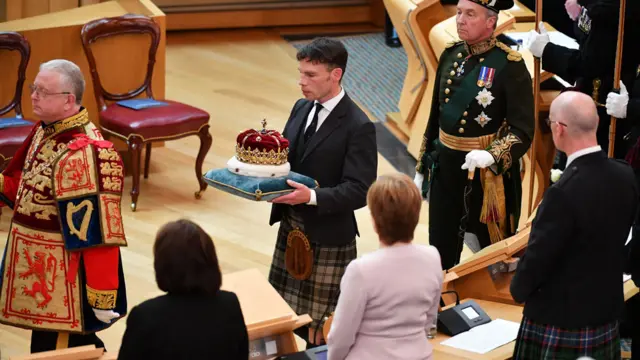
[(394, 201)]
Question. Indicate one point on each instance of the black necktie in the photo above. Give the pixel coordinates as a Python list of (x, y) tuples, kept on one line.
[(314, 124)]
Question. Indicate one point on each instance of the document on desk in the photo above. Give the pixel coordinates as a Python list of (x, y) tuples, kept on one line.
[(484, 338)]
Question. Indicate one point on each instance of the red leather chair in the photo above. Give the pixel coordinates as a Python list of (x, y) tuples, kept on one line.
[(142, 127), (14, 130)]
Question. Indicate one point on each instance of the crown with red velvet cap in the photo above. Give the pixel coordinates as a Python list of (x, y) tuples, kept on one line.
[(264, 147)]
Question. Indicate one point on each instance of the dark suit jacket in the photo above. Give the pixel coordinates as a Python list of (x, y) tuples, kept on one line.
[(342, 156), (175, 327), (571, 273)]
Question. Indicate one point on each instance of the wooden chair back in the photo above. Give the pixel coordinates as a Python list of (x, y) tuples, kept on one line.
[(120, 25), (13, 41)]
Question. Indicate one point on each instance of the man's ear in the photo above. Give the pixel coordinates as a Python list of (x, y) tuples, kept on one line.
[(336, 74)]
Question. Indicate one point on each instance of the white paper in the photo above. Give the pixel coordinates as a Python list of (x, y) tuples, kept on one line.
[(484, 338), (625, 278), (515, 7), (555, 37), (272, 347), (561, 39)]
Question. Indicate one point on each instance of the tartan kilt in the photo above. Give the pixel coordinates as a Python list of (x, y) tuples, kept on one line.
[(318, 295), (539, 341)]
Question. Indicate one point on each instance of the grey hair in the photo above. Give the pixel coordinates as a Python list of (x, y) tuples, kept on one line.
[(491, 13), (71, 75)]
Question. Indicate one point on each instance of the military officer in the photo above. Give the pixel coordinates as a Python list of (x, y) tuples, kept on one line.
[(591, 67), (481, 122)]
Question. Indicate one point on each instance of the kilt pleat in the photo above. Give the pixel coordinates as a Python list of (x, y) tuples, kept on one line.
[(320, 292), (540, 341)]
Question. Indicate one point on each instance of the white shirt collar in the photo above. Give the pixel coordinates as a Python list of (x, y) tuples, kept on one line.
[(330, 104), (582, 152)]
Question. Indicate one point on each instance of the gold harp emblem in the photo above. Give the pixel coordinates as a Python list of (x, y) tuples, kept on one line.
[(84, 225)]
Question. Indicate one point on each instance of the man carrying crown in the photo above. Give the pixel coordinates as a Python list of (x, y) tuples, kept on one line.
[(61, 273), (332, 141), (482, 117)]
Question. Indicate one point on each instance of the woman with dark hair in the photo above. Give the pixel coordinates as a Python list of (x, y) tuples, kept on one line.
[(195, 319)]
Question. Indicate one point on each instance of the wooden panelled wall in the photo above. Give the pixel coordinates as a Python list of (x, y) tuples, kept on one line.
[(20, 9)]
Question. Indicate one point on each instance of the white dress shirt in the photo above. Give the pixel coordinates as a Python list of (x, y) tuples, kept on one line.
[(327, 108), (582, 152)]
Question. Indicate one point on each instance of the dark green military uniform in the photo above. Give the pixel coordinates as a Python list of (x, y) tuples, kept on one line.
[(594, 62), (465, 108)]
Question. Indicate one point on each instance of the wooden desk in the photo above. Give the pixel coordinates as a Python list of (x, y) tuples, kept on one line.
[(267, 316), (495, 311)]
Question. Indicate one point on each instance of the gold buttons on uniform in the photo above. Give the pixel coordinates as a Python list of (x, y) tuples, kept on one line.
[(449, 82), (461, 131), (447, 91), (463, 121), (446, 100), (481, 59), (455, 64), (459, 55), (465, 113), (452, 73)]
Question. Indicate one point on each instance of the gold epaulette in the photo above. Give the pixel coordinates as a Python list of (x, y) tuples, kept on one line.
[(512, 55)]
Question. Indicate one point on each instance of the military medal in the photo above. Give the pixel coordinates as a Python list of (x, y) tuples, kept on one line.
[(482, 119), (485, 79), (485, 97), (460, 69)]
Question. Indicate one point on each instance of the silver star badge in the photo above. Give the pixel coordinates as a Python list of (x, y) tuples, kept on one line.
[(485, 98), (482, 119)]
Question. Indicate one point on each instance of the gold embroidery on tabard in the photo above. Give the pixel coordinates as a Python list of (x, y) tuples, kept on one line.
[(28, 206), (111, 169), (86, 218), (101, 299), (108, 154), (112, 183)]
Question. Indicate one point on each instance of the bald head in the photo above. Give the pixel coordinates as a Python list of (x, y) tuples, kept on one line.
[(577, 111)]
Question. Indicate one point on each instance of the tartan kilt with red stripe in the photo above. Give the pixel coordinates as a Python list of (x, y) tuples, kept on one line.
[(539, 341), (318, 295)]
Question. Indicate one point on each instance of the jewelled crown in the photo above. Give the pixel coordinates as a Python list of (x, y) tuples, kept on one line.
[(264, 147)]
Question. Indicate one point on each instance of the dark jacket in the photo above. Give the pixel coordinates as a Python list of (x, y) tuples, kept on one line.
[(175, 327), (342, 156), (571, 273)]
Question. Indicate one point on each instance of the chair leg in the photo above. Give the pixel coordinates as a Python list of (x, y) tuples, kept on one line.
[(135, 149), (147, 160), (205, 145)]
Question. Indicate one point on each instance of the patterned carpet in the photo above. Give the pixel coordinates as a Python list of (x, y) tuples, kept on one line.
[(375, 72)]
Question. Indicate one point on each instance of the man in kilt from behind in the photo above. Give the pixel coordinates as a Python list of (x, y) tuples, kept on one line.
[(570, 276), (332, 141)]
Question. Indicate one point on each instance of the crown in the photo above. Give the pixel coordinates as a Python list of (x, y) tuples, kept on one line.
[(264, 147)]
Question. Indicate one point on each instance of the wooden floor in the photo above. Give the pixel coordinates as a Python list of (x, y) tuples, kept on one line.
[(239, 77)]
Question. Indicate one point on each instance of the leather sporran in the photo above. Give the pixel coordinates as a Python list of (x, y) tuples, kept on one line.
[(298, 258)]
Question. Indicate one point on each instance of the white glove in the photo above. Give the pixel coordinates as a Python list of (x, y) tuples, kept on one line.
[(617, 103), (418, 180), (105, 315), (537, 42), (477, 159), (573, 9)]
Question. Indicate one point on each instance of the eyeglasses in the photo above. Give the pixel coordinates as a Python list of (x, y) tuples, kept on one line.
[(549, 121), (42, 93)]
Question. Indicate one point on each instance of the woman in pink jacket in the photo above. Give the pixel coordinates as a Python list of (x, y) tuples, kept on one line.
[(389, 298)]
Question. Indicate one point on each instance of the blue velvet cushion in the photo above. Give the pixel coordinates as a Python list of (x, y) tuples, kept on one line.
[(255, 188)]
